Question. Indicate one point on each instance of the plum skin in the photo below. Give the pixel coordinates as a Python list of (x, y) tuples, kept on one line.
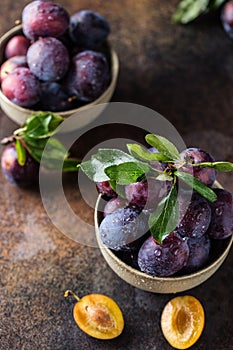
[(195, 218), (147, 193), (195, 156), (221, 225), (88, 28), (227, 18), (17, 46), (22, 176), (12, 63), (43, 19), (48, 59), (121, 229), (105, 189), (21, 87), (163, 259), (199, 251), (88, 76)]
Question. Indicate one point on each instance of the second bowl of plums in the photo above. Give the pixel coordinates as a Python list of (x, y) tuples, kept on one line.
[(164, 236), (56, 62)]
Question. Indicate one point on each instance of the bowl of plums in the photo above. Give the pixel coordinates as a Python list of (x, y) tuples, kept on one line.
[(163, 222), (53, 61)]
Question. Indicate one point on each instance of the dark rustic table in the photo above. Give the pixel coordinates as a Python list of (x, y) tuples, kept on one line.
[(184, 73)]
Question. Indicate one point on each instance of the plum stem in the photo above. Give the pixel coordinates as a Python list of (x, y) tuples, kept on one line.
[(7, 140), (69, 292)]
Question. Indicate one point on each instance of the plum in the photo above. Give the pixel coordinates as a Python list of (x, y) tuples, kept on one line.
[(9, 65), (20, 175), (114, 204), (199, 252), (163, 259), (194, 219), (122, 229), (43, 19), (89, 75), (17, 46), (227, 18), (88, 28), (221, 225), (21, 87), (55, 97), (48, 59), (147, 193), (105, 189), (195, 156)]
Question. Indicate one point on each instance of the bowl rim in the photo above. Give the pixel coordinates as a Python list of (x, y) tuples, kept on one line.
[(114, 65), (212, 266)]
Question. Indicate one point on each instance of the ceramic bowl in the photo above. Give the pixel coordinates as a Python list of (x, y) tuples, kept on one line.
[(19, 114), (149, 283)]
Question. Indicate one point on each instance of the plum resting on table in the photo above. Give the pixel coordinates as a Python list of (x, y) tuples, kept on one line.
[(22, 176)]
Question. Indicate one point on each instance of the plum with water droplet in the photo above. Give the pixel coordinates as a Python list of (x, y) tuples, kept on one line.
[(163, 259), (221, 225), (114, 204), (21, 87), (199, 253), (194, 217), (122, 229), (195, 156), (44, 18)]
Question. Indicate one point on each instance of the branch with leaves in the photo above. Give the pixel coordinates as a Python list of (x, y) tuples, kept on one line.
[(188, 10), (39, 131), (121, 169)]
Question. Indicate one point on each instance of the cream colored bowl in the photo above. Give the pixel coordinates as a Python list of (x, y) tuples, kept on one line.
[(159, 284), (19, 114)]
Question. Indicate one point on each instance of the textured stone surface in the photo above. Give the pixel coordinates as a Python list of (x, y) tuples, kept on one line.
[(186, 74)]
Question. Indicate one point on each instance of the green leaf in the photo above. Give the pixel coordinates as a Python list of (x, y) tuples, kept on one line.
[(34, 143), (197, 185), (94, 168), (54, 155), (142, 153), (126, 173), (42, 125), (165, 218), (188, 10), (221, 166), (214, 4), (164, 146), (70, 164), (21, 152)]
